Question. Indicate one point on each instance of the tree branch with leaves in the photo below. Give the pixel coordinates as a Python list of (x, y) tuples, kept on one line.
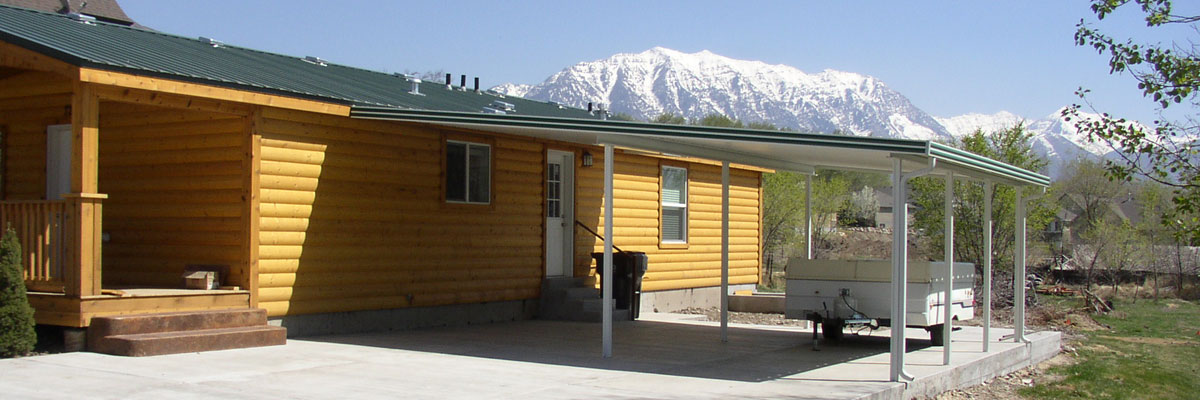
[(1168, 76)]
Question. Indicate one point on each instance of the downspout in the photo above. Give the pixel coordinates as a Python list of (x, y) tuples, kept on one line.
[(900, 263), (808, 217), (1019, 267)]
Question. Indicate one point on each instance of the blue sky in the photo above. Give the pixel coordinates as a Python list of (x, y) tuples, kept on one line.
[(948, 57)]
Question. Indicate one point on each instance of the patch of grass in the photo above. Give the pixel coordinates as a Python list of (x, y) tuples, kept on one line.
[(1151, 351)]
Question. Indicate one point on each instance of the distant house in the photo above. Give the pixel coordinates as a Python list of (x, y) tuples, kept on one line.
[(103, 10), (883, 217), (1068, 224)]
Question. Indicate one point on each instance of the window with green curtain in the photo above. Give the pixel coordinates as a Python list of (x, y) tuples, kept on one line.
[(674, 205), (468, 172)]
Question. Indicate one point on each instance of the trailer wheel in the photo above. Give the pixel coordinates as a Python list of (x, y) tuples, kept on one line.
[(832, 328), (936, 335)]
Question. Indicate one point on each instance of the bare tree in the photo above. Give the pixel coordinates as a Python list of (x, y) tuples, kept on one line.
[(1120, 251), (1091, 254)]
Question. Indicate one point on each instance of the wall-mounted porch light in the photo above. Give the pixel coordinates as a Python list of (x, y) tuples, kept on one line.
[(587, 159)]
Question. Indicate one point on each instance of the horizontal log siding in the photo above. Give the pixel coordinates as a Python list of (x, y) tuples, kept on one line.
[(636, 217), (351, 218), (174, 183), (29, 102)]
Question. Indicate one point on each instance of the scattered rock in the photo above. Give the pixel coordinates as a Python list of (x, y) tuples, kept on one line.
[(770, 319)]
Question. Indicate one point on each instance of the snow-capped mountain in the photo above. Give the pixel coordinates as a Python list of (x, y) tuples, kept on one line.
[(660, 80), (1053, 137), (657, 81)]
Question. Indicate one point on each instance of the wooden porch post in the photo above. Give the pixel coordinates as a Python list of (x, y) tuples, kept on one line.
[(82, 267)]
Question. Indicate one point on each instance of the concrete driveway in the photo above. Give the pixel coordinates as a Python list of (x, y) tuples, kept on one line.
[(663, 359)]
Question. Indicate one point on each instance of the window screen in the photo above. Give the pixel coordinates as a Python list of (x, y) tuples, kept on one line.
[(674, 205)]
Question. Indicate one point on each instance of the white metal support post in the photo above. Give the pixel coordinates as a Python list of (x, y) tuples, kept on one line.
[(808, 215), (607, 287), (987, 264), (1019, 271), (725, 251), (947, 297)]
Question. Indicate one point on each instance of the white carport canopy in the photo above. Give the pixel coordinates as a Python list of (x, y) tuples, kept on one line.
[(801, 152)]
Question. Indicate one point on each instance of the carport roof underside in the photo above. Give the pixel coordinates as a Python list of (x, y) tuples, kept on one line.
[(777, 150)]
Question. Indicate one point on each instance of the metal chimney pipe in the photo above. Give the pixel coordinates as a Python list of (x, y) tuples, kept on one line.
[(463, 83), (477, 84), (589, 106), (448, 78), (416, 86)]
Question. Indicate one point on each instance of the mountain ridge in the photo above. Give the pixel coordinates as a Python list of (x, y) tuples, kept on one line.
[(693, 85)]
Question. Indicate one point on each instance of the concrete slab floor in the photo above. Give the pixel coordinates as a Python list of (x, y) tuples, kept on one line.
[(660, 356)]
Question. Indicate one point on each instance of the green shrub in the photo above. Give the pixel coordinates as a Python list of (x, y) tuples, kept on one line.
[(17, 336)]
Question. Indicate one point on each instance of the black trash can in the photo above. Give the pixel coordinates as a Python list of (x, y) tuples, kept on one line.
[(640, 262), (628, 269)]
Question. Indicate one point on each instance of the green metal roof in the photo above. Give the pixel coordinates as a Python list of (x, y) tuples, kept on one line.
[(771, 149), (138, 51)]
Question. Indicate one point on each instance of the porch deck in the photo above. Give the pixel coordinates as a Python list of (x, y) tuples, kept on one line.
[(60, 309)]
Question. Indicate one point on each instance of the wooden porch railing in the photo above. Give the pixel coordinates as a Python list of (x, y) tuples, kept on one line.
[(41, 228)]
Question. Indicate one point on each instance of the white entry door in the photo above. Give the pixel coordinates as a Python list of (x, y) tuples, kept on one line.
[(58, 161), (560, 213)]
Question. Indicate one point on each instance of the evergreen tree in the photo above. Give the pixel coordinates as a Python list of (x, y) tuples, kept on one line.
[(17, 336)]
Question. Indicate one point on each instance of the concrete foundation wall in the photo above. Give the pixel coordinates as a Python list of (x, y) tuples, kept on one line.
[(758, 303), (1041, 347), (406, 318), (675, 300)]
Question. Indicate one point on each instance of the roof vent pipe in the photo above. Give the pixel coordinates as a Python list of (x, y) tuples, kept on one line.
[(477, 84), (462, 85), (86, 19), (589, 107), (416, 86), (448, 80), (210, 41), (315, 60)]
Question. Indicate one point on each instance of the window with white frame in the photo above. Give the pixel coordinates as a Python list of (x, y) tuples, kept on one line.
[(468, 172), (674, 205)]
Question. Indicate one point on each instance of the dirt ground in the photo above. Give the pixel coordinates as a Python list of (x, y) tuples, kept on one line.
[(1069, 322)]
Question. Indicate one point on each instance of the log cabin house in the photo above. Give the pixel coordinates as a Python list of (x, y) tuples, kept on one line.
[(335, 199), (130, 156)]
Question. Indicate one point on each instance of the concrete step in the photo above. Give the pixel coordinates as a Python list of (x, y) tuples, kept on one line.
[(592, 305), (176, 321), (174, 342), (596, 316), (182, 332), (572, 299), (561, 283), (582, 293)]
